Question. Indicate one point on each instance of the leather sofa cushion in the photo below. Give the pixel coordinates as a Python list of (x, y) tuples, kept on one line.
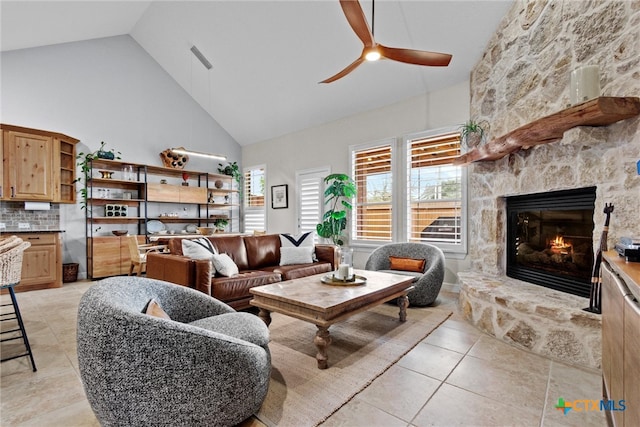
[(244, 326), (262, 251), (295, 271), (175, 246), (236, 287), (234, 247)]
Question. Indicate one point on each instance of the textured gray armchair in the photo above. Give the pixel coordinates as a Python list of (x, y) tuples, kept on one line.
[(207, 366), (427, 283)]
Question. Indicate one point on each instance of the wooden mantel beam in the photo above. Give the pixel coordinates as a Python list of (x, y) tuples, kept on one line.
[(600, 111)]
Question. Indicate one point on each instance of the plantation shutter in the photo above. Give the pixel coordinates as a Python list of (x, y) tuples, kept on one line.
[(372, 173), (434, 210), (254, 199), (310, 186)]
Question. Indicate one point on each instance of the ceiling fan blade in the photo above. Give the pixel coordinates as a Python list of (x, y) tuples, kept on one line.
[(418, 57), (358, 21), (344, 72)]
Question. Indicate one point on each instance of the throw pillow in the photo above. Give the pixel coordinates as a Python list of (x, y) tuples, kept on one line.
[(225, 265), (304, 240), (154, 309), (290, 256), (407, 264), (200, 248)]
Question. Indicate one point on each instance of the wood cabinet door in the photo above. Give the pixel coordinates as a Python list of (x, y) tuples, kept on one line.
[(105, 257), (39, 262), (4, 167), (613, 292), (30, 173), (631, 361)]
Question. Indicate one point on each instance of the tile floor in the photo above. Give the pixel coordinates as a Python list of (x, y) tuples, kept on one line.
[(456, 376)]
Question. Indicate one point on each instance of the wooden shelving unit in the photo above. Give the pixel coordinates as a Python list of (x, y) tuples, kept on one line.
[(600, 111), (200, 203)]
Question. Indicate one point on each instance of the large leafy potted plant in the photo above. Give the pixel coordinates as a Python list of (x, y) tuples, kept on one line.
[(340, 190)]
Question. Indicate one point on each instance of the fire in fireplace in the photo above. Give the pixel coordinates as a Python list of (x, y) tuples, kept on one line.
[(550, 239)]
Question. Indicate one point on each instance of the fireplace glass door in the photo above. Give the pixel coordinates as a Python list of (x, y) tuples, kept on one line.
[(550, 239)]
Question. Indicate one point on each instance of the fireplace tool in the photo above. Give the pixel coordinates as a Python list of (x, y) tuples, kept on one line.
[(596, 280)]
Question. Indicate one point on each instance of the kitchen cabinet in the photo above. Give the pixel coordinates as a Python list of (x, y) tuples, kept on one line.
[(41, 262), (621, 339), (109, 256), (38, 165)]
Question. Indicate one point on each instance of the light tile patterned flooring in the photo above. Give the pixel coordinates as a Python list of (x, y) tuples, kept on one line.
[(457, 376)]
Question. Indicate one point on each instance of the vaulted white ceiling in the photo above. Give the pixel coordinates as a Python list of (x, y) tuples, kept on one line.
[(268, 56)]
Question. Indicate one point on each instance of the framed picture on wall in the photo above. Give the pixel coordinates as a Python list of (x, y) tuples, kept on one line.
[(279, 196)]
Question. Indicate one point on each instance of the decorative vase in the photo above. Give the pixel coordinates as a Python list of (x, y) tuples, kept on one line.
[(473, 139)]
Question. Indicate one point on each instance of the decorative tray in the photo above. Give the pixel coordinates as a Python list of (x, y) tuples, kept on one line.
[(329, 279)]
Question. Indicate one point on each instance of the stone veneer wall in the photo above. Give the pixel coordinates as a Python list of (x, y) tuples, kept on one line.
[(524, 75)]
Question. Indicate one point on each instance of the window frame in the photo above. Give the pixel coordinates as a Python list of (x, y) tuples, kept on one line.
[(351, 227), (321, 173), (400, 205), (452, 248), (245, 198)]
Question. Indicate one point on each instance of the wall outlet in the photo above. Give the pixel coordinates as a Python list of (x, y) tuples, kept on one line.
[(3, 225), (23, 225)]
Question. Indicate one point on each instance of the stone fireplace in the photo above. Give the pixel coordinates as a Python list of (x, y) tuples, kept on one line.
[(523, 76)]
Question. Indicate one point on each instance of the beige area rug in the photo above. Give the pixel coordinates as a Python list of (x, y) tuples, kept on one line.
[(363, 347)]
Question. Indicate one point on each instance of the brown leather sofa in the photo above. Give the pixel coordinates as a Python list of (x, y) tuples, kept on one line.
[(257, 258)]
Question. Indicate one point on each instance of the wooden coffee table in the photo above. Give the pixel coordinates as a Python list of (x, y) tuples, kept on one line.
[(323, 305)]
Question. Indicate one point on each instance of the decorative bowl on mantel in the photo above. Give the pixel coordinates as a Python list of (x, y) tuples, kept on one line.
[(120, 232)]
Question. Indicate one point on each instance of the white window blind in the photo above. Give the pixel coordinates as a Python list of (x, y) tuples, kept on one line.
[(254, 199), (373, 174), (310, 190), (434, 190)]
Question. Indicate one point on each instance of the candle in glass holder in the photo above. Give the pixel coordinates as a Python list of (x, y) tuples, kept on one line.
[(585, 84)]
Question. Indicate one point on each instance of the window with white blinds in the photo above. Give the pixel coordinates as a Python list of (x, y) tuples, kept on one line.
[(434, 190), (310, 194), (372, 172), (254, 206)]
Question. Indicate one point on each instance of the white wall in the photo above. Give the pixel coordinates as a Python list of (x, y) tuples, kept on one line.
[(108, 90), (328, 145)]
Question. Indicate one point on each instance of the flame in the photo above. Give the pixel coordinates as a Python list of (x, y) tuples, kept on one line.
[(558, 245)]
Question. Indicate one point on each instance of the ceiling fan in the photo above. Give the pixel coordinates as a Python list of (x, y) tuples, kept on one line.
[(373, 51)]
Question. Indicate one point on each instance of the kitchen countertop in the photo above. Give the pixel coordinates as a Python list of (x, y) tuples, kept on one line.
[(29, 230)]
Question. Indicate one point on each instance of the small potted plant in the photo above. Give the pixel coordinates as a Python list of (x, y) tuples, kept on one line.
[(340, 190), (220, 224), (231, 169), (473, 133), (84, 162)]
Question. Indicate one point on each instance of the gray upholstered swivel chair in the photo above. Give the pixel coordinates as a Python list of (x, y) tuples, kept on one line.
[(207, 366), (427, 283)]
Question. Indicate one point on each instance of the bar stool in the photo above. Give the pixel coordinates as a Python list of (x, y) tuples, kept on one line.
[(11, 252)]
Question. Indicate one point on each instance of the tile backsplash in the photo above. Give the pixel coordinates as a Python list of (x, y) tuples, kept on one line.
[(13, 213)]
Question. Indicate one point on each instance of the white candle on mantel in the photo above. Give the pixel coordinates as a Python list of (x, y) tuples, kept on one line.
[(585, 84)]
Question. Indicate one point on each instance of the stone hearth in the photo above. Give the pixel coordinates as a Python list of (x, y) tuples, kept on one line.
[(547, 322)]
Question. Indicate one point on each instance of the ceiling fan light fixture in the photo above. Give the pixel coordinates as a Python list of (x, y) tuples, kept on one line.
[(372, 55)]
